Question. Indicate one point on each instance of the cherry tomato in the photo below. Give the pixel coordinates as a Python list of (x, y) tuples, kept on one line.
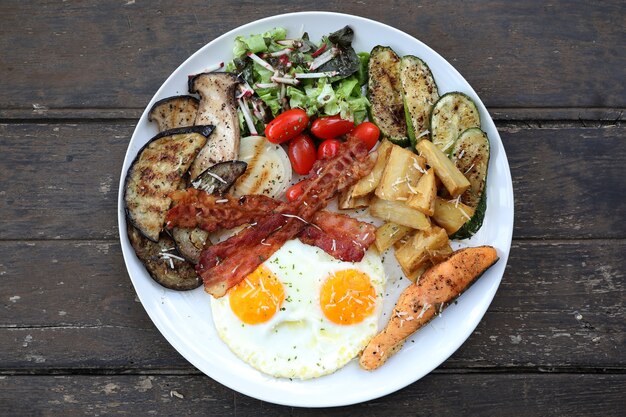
[(368, 132), (330, 127), (302, 154), (328, 148), (286, 125), (295, 191)]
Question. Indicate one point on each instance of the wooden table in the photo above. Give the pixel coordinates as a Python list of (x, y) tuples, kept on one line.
[(75, 76)]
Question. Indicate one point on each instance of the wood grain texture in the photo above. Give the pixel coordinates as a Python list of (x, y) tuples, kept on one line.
[(434, 395), (564, 179), (561, 311), (115, 54)]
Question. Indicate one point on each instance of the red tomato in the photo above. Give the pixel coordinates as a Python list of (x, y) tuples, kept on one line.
[(328, 148), (295, 191), (368, 132), (286, 125), (302, 154), (330, 127)]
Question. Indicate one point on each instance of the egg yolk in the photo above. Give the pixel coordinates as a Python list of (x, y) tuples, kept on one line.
[(257, 298), (347, 297)]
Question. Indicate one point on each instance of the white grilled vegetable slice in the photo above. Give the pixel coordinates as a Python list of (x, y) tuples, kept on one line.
[(269, 169), (452, 114)]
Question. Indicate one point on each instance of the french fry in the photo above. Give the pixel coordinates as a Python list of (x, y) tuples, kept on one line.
[(368, 183), (453, 179), (401, 174), (388, 234), (398, 212), (416, 251), (425, 192), (451, 214), (347, 200)]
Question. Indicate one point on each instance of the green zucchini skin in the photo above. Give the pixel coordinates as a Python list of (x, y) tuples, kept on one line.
[(453, 113), (385, 95), (419, 94), (471, 155)]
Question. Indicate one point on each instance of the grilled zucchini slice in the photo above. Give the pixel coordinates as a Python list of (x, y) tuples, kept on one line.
[(452, 114), (173, 112), (163, 262), (471, 155), (156, 171), (385, 95), (419, 94)]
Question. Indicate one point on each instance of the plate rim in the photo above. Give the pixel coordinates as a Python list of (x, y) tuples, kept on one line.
[(295, 401)]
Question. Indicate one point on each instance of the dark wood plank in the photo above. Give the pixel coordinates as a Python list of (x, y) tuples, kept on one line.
[(57, 177), (434, 395), (565, 277), (115, 54), (556, 311), (503, 341), (497, 113)]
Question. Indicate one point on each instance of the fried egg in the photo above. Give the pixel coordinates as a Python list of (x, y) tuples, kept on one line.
[(302, 313)]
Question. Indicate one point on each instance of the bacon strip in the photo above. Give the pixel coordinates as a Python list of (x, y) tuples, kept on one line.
[(196, 208), (248, 249), (339, 235)]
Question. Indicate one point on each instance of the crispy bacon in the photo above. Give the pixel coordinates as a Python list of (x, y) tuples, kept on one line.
[(244, 252), (196, 208), (339, 235)]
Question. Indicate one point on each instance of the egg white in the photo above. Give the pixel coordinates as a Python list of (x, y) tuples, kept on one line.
[(299, 341)]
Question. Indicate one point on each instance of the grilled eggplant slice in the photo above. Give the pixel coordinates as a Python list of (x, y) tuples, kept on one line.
[(385, 95), (220, 177), (217, 107), (190, 242), (156, 171), (163, 262), (173, 112)]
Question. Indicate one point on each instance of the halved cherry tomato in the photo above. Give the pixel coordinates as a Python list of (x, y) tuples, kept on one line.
[(302, 154), (295, 191), (330, 127), (286, 125), (328, 148), (368, 132)]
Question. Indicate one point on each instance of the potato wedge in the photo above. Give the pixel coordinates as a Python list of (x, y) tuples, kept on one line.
[(388, 234), (423, 198), (401, 174), (453, 179), (368, 183), (415, 275), (416, 251), (347, 201), (400, 213), (451, 215)]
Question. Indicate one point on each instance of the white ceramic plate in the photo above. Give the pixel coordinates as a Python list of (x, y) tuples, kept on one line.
[(184, 318)]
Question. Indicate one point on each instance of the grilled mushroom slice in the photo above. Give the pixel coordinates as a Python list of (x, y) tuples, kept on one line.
[(156, 171), (163, 262), (217, 107), (173, 112)]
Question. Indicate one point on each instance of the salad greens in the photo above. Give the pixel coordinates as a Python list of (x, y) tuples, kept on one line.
[(281, 73)]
